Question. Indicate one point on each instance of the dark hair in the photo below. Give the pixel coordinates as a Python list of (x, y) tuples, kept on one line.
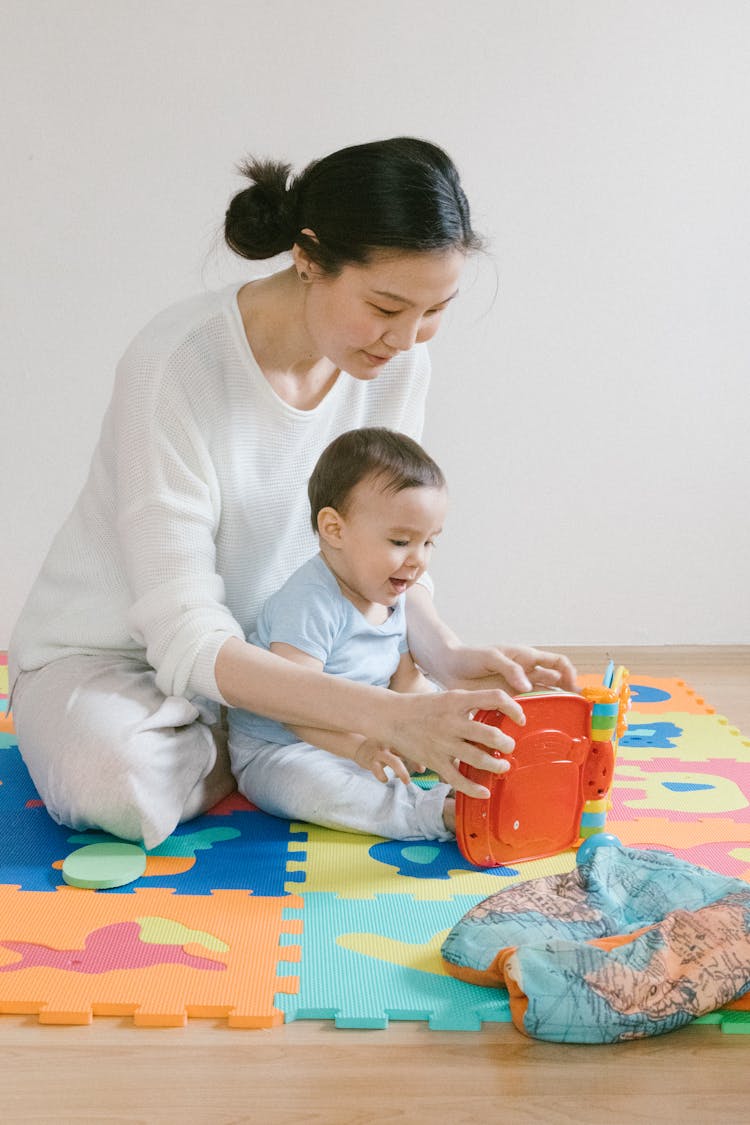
[(402, 193), (394, 459)]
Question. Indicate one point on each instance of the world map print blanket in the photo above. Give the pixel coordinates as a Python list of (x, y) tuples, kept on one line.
[(628, 944)]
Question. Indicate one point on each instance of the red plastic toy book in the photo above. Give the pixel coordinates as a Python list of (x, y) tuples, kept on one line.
[(557, 787)]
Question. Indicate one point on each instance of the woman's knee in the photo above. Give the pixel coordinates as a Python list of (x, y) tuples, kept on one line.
[(107, 751)]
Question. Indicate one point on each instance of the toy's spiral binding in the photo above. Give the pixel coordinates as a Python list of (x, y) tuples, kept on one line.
[(610, 706)]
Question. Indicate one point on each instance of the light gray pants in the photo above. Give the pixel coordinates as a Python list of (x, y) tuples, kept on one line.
[(106, 749), (301, 782)]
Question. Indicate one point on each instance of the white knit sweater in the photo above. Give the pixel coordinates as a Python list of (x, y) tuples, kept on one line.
[(195, 508)]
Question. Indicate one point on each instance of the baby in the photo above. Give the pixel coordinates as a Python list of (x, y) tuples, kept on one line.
[(377, 502)]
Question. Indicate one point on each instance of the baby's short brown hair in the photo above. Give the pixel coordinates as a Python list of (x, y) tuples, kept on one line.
[(395, 459)]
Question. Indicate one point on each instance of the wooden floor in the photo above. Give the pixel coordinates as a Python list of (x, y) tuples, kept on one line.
[(312, 1072)]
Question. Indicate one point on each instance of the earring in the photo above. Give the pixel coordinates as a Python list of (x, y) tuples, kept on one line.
[(303, 276)]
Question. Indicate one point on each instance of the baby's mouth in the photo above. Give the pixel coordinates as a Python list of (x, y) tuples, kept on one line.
[(399, 584)]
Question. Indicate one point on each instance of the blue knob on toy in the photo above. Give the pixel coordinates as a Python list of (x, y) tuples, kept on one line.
[(591, 843)]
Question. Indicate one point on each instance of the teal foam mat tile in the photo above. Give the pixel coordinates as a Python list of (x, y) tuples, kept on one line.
[(366, 962)]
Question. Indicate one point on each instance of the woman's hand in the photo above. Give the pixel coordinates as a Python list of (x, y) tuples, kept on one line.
[(511, 668), (435, 728), (438, 730)]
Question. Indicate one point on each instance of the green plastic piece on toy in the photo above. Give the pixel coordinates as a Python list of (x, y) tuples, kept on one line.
[(102, 866)]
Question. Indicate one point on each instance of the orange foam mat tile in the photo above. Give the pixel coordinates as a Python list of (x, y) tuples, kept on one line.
[(680, 695), (159, 957)]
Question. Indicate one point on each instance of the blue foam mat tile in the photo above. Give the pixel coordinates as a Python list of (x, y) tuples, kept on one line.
[(16, 787), (241, 850), (368, 961), (31, 842)]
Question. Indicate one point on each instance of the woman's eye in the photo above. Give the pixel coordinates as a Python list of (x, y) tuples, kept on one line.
[(400, 542), (385, 312)]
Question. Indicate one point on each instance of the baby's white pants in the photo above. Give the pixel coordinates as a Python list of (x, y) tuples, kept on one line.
[(301, 782)]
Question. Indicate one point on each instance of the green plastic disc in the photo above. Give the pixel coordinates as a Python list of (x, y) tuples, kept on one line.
[(102, 866)]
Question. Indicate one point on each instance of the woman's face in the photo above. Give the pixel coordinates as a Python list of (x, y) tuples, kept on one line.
[(367, 314)]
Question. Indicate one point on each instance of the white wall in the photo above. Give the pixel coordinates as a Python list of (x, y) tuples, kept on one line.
[(592, 417)]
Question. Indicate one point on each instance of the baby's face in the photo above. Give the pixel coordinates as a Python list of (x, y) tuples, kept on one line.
[(387, 540)]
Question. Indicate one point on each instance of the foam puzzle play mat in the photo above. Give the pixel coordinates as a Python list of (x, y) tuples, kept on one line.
[(257, 921)]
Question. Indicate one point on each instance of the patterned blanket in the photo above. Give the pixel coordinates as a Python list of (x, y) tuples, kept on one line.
[(628, 944)]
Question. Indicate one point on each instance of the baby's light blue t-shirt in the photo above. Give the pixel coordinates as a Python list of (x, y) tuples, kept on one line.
[(310, 613)]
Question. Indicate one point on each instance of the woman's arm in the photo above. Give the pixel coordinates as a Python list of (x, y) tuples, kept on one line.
[(344, 744), (513, 669), (434, 728), (365, 751)]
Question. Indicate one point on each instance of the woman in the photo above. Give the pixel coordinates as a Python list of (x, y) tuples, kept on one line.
[(194, 510)]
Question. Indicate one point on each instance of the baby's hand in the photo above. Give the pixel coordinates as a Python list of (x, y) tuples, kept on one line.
[(515, 669), (372, 756), (412, 766)]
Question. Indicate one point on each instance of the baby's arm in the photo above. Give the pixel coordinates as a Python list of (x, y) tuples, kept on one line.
[(364, 751), (408, 678)]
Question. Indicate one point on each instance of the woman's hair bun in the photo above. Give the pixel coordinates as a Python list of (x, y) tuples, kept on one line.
[(260, 220), (401, 194)]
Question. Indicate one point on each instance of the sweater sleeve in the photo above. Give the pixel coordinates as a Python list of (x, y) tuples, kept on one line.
[(168, 510)]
